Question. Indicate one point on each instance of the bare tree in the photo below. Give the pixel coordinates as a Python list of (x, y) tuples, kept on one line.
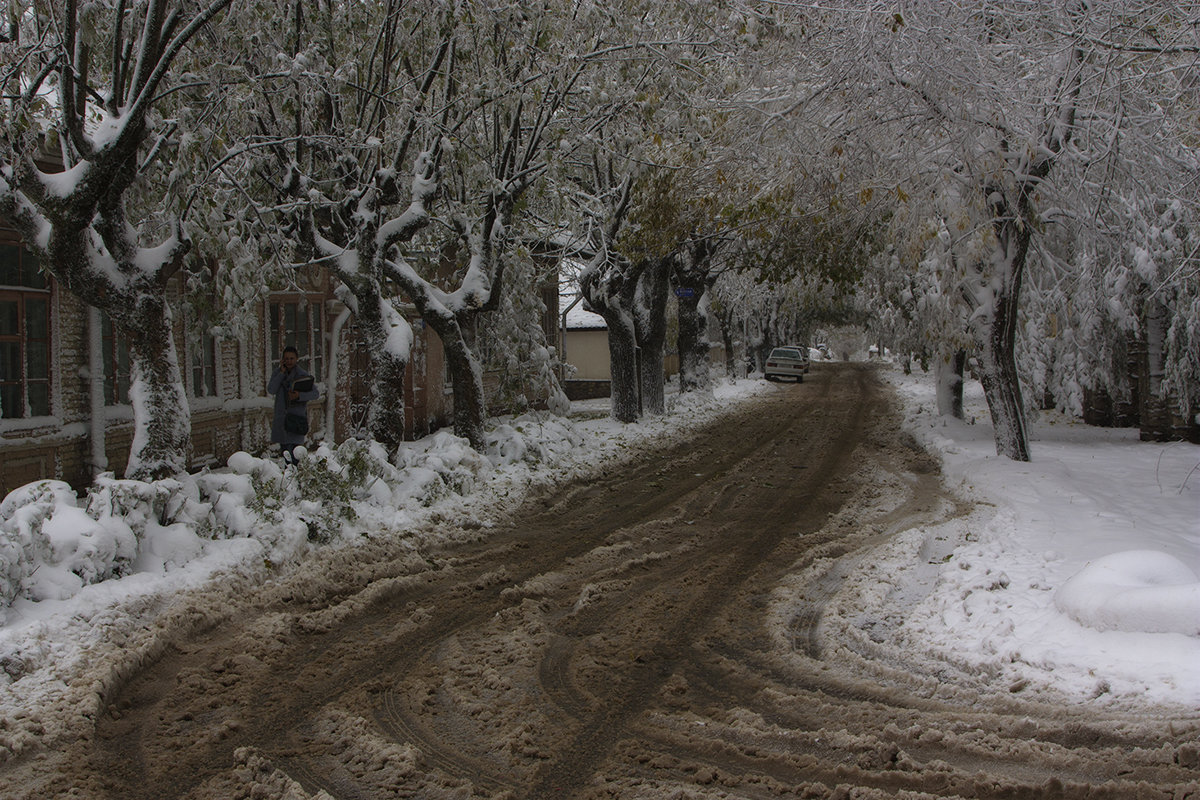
[(100, 103), (996, 119)]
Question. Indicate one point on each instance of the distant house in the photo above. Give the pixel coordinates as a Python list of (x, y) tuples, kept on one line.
[(583, 349), (583, 344), (64, 376)]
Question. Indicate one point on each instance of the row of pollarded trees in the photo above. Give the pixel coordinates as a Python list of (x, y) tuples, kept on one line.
[(1038, 169), (729, 223), (764, 269), (994, 154), (402, 146)]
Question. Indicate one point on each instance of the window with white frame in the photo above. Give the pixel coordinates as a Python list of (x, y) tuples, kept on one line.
[(25, 383), (203, 357), (117, 373), (298, 321)]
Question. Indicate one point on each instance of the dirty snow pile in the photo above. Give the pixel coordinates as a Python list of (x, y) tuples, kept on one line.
[(74, 572), (1078, 570), (52, 546)]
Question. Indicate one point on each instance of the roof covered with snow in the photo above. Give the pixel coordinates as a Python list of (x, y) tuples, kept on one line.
[(576, 317)]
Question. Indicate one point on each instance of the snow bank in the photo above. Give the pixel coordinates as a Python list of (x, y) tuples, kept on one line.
[(1078, 569), (1138, 590), (53, 544)]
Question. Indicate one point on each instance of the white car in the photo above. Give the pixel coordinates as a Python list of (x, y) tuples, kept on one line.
[(786, 362)]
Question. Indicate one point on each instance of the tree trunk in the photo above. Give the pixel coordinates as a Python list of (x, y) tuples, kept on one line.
[(1003, 393), (611, 289), (1001, 384), (1013, 224), (652, 381), (141, 312), (466, 377), (623, 369), (1154, 410), (162, 418), (385, 417), (726, 322), (376, 318), (651, 331), (731, 369), (693, 342), (949, 376)]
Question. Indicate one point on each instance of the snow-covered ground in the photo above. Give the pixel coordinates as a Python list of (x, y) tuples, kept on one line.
[(1077, 570)]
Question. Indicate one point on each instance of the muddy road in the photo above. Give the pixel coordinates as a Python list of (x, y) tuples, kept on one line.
[(663, 631)]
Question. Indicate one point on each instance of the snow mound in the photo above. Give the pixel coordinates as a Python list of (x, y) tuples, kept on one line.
[(54, 544), (1135, 591)]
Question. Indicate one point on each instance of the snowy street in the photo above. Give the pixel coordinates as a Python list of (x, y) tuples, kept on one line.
[(600, 401), (721, 616)]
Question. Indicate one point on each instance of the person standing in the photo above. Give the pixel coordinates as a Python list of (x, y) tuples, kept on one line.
[(293, 388)]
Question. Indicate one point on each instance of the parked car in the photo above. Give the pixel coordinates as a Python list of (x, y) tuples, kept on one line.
[(804, 351), (786, 362)]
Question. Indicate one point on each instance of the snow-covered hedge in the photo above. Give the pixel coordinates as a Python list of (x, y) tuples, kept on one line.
[(53, 543)]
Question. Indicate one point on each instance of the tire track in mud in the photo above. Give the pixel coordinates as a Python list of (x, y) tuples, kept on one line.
[(672, 628), (589, 515), (746, 528)]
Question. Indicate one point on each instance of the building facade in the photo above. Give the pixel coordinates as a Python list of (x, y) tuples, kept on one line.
[(64, 376)]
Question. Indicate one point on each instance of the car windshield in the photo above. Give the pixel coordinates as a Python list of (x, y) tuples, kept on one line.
[(785, 352)]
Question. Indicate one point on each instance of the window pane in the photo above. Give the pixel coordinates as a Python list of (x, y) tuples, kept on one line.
[(10, 361), (110, 366), (10, 316), (315, 349), (10, 265), (10, 400), (39, 399), (37, 318), (197, 373), (116, 366), (37, 356), (289, 326), (123, 378), (204, 378), (31, 271), (210, 366)]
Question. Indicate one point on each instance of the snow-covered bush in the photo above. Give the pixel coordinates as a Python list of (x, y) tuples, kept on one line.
[(324, 484), (531, 438), (52, 544), (23, 543), (436, 467)]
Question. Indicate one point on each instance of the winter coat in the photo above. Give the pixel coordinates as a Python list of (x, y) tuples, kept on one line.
[(279, 385)]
